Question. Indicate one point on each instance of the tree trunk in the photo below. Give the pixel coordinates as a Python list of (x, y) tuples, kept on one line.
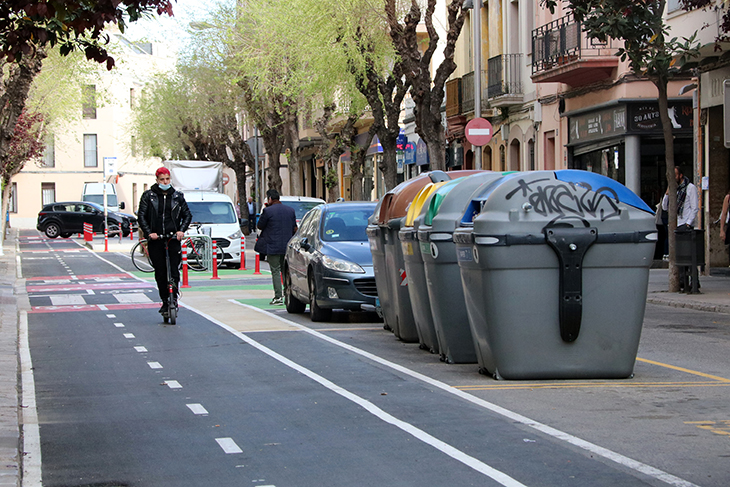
[(663, 101), (295, 169), (4, 207), (389, 164)]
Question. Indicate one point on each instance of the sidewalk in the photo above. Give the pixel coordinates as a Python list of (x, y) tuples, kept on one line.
[(714, 297)]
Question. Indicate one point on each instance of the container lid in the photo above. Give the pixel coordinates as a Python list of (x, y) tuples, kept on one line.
[(527, 202), (396, 201), (420, 199), (445, 214)]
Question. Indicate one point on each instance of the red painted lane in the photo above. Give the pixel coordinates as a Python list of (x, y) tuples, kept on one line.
[(84, 287), (80, 278), (92, 307)]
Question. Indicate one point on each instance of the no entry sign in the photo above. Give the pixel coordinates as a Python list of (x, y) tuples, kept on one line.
[(478, 131)]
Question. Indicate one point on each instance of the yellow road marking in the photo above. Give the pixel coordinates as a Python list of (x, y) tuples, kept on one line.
[(682, 369), (717, 427), (572, 385)]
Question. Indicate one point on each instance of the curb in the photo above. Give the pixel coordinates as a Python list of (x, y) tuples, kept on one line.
[(695, 305)]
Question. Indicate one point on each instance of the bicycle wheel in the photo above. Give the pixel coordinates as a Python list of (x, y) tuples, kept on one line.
[(196, 249), (141, 258)]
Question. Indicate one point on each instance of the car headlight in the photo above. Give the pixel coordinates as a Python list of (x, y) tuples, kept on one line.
[(341, 265), (235, 236)]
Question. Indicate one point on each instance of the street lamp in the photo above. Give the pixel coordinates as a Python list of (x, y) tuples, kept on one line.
[(476, 5)]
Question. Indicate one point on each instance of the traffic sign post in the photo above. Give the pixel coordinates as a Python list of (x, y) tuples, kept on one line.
[(479, 132)]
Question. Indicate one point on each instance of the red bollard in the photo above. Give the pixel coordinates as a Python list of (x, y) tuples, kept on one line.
[(243, 253), (106, 240), (185, 266), (257, 267), (215, 261)]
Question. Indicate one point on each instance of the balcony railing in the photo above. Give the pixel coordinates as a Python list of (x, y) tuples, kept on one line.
[(467, 92), (504, 73), (563, 44)]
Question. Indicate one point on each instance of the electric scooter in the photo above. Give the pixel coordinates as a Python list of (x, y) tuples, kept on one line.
[(171, 315)]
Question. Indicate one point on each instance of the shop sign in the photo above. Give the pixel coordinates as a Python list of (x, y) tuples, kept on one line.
[(644, 117), (421, 153), (597, 125)]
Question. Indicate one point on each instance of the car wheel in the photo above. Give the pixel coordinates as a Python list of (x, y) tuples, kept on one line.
[(52, 230), (66, 234), (293, 305), (315, 312)]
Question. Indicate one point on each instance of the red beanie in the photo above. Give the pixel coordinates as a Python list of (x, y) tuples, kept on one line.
[(162, 170)]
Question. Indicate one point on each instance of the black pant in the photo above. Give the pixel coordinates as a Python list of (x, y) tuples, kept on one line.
[(157, 256), (251, 223)]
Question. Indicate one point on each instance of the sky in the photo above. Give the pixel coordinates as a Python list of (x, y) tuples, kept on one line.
[(164, 29)]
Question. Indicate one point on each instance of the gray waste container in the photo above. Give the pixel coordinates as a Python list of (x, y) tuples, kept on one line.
[(417, 288), (446, 296), (377, 248), (555, 269), (394, 206)]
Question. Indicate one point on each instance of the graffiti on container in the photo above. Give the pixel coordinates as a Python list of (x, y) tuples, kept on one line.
[(568, 199)]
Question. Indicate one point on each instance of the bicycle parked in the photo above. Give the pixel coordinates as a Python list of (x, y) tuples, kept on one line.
[(196, 252)]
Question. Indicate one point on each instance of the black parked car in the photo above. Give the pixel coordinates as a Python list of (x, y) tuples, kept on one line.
[(67, 218), (328, 263)]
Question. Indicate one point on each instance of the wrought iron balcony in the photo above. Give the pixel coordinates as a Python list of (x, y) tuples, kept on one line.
[(562, 53), (467, 92), (504, 73)]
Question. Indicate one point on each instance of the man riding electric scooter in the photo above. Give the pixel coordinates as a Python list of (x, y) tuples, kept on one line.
[(164, 212)]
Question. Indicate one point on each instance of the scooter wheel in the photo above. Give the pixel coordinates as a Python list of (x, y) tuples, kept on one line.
[(173, 315)]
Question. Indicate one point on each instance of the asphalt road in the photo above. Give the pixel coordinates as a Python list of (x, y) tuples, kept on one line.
[(124, 400)]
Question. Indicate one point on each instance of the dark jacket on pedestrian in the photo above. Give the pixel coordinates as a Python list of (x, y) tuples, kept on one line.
[(163, 212), (278, 224)]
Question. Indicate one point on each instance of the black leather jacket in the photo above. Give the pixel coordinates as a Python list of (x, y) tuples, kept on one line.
[(149, 212)]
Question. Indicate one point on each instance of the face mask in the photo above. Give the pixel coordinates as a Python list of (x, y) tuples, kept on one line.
[(164, 187)]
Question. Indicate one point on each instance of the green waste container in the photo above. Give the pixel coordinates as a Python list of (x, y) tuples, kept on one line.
[(555, 270), (446, 296)]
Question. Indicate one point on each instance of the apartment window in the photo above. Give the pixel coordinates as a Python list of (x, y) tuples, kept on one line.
[(49, 155), (90, 156), (133, 146), (13, 199), (88, 102), (673, 5), (48, 193), (132, 98)]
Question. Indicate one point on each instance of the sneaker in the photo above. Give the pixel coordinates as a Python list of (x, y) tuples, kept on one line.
[(277, 302), (163, 309), (665, 258)]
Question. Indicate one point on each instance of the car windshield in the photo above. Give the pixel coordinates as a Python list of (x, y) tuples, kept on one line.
[(301, 207), (111, 199), (346, 225), (212, 212)]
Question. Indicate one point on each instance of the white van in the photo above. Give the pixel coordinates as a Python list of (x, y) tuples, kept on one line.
[(217, 217), (94, 192)]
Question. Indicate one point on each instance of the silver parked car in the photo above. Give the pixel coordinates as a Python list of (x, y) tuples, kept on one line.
[(328, 263)]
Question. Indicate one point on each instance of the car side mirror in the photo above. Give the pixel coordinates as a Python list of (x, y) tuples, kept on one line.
[(304, 243), (121, 205)]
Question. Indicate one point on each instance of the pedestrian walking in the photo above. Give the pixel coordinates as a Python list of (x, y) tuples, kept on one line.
[(164, 211), (687, 208), (278, 223), (251, 215)]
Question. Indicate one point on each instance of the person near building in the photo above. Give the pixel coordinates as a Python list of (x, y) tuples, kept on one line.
[(725, 219), (251, 215), (687, 206), (278, 224), (163, 211)]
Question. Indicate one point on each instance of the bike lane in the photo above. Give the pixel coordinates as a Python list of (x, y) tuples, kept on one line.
[(302, 411)]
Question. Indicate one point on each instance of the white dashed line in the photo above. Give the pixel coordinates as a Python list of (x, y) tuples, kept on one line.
[(154, 365), (67, 299), (111, 316), (119, 325), (229, 446), (173, 384), (128, 335), (140, 349), (197, 408)]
